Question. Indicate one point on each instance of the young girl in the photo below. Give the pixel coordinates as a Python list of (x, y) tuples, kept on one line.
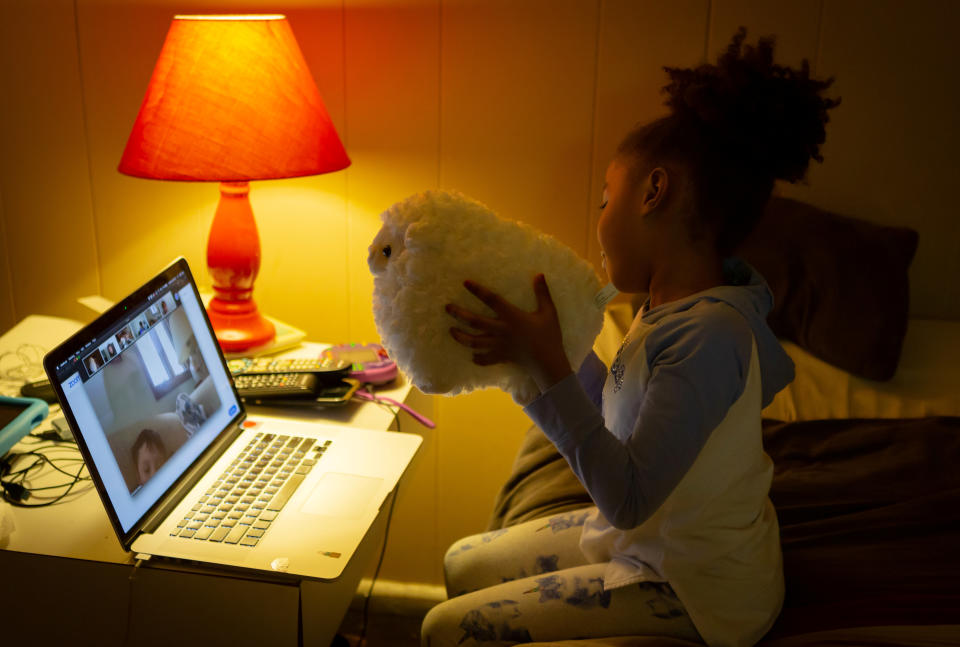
[(683, 540)]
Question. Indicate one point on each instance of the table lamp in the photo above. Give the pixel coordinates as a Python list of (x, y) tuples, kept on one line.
[(231, 100)]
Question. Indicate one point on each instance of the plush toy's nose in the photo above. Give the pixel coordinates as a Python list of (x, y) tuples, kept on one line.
[(377, 257)]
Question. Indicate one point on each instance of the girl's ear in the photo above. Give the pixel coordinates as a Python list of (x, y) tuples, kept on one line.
[(654, 190)]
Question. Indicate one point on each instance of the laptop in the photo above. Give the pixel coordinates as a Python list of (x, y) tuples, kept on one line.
[(181, 470)]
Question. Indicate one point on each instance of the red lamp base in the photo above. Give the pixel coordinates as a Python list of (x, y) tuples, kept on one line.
[(233, 258), (239, 325)]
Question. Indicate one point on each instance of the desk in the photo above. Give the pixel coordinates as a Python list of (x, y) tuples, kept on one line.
[(64, 578)]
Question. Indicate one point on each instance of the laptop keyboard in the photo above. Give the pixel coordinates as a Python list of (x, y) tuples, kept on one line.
[(242, 504)]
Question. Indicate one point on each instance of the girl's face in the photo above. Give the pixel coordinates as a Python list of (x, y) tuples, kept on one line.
[(621, 231)]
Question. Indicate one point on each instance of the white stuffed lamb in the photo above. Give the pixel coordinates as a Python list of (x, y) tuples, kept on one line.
[(428, 245)]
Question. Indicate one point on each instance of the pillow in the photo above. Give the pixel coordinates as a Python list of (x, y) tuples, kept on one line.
[(840, 284), (927, 382), (191, 414)]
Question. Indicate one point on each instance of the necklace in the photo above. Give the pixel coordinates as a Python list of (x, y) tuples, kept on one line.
[(617, 369)]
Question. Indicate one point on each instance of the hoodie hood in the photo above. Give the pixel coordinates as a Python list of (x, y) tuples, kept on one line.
[(746, 291)]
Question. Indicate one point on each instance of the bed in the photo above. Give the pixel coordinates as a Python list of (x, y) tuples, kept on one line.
[(865, 441)]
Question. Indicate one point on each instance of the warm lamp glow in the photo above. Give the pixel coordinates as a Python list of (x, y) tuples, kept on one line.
[(232, 100), (241, 16)]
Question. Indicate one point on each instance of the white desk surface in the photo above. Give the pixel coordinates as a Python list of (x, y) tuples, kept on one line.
[(78, 526)]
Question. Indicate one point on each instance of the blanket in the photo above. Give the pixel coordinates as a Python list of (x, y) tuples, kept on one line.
[(869, 515)]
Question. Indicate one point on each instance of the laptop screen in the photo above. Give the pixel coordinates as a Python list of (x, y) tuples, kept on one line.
[(147, 389)]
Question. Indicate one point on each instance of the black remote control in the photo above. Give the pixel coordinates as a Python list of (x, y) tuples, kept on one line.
[(328, 395), (276, 385)]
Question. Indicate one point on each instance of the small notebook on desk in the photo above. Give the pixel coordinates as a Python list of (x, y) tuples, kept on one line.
[(181, 471)]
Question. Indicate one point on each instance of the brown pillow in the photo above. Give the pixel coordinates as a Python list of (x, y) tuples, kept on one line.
[(840, 284)]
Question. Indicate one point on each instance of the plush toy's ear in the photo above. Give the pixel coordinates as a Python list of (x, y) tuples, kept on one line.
[(435, 229), (417, 234)]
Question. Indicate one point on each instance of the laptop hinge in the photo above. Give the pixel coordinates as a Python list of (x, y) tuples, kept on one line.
[(190, 478)]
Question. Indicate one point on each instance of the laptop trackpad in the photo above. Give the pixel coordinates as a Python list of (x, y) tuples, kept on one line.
[(342, 495)]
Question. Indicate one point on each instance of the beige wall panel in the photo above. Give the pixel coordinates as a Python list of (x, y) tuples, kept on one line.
[(414, 553), (392, 127), (43, 170), (636, 40), (516, 101), (478, 436), (891, 150), (793, 23), (143, 223), (516, 108), (304, 280), (391, 134), (7, 315)]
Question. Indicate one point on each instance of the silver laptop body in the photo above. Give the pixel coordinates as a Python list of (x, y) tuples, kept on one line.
[(180, 469)]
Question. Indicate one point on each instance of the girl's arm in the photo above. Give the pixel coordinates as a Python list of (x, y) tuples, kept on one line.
[(697, 371)]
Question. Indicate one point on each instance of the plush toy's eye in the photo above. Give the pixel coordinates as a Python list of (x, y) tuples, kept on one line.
[(387, 251)]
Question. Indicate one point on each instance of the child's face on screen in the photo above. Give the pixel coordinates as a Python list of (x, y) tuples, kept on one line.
[(149, 460)]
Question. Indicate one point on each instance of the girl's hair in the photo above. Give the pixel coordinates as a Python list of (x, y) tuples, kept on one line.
[(734, 128)]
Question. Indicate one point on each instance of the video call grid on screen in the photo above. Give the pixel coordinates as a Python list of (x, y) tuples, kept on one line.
[(150, 407), (138, 326)]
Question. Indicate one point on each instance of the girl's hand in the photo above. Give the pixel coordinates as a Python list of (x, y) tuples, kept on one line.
[(532, 340)]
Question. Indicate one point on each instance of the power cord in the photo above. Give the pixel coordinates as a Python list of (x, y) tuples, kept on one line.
[(15, 479), (131, 579), (394, 406), (22, 363)]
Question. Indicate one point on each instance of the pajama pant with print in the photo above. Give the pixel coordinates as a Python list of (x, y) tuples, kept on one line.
[(531, 582)]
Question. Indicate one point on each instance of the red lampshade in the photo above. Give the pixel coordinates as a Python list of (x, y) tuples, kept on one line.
[(232, 99)]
